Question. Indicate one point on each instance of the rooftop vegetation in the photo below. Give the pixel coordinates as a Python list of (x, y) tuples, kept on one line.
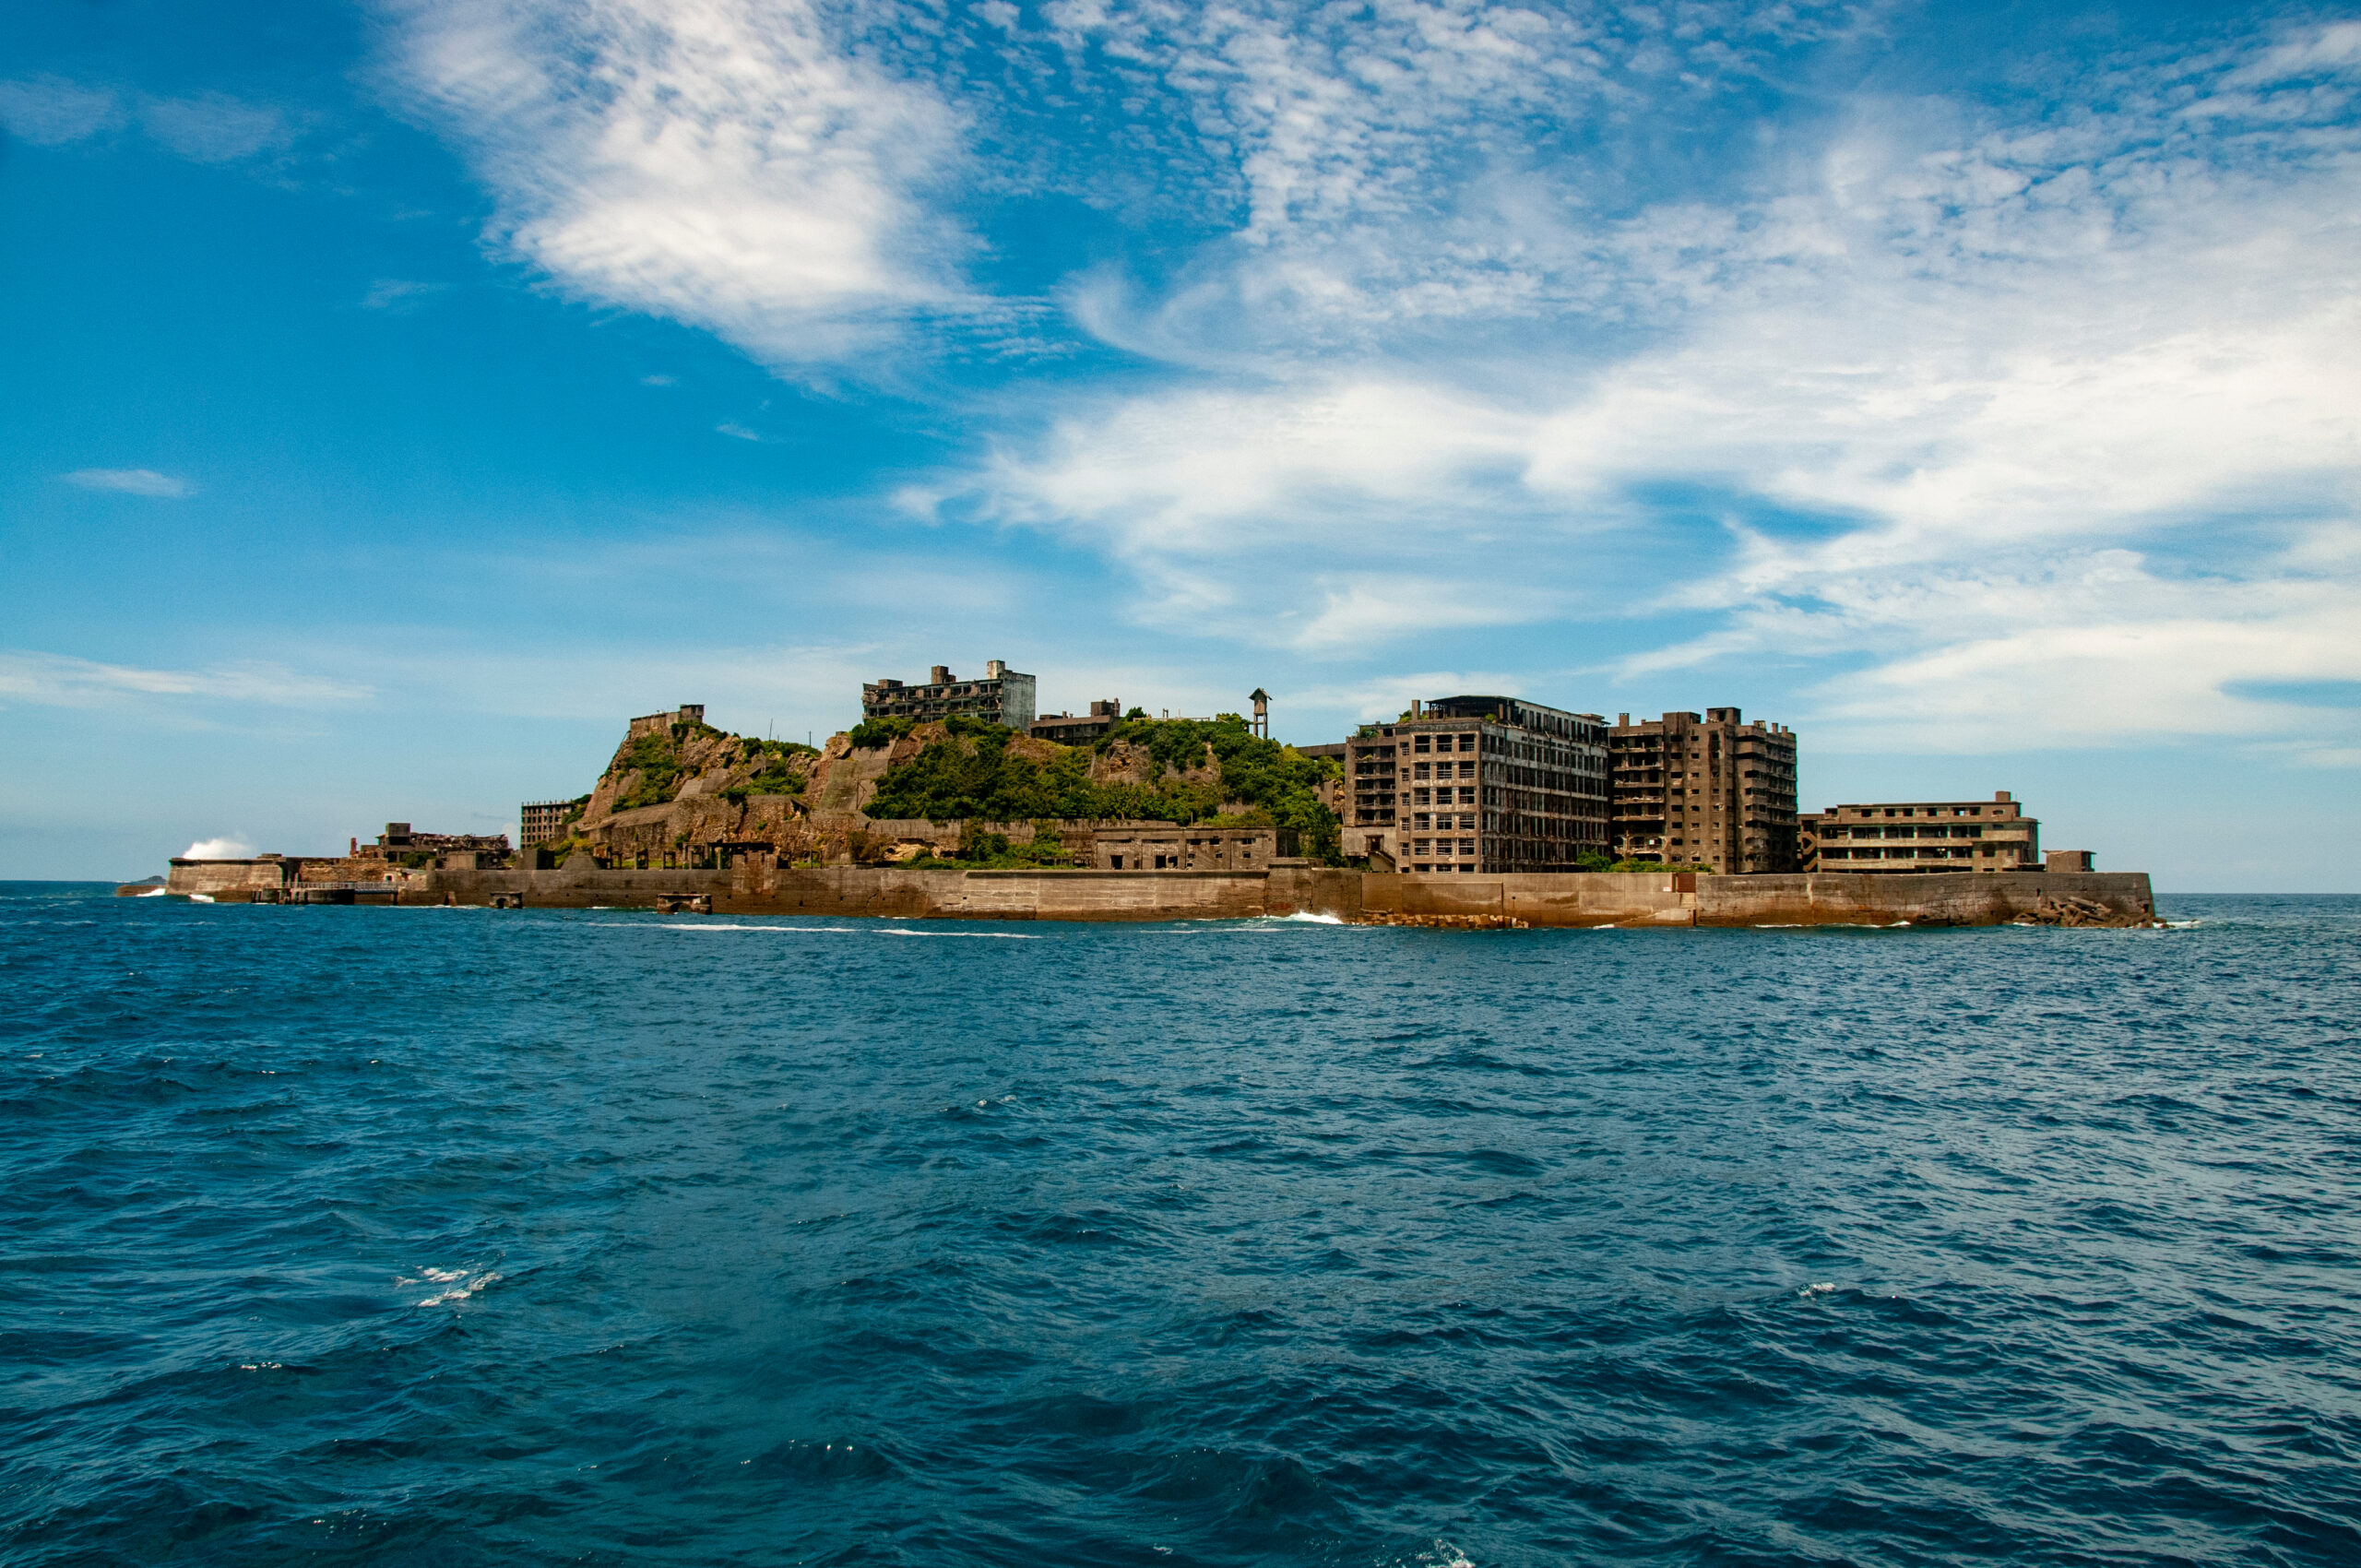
[(972, 774)]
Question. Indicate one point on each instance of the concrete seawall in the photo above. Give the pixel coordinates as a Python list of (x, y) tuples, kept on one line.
[(1661, 899)]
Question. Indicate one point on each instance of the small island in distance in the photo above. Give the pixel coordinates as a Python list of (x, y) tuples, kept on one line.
[(952, 800)]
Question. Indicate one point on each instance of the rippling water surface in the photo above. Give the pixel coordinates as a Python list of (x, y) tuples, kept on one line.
[(459, 1236)]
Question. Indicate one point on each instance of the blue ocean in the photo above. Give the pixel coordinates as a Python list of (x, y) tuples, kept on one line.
[(459, 1236)]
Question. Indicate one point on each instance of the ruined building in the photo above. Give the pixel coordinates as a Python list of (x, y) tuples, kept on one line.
[(1713, 791), (1992, 834), (1079, 728), (1479, 783), (688, 714), (1003, 697), (543, 822), (399, 840)]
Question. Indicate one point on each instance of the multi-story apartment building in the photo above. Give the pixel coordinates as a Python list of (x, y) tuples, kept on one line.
[(1714, 792), (1994, 835), (544, 821), (1004, 697), (1479, 783)]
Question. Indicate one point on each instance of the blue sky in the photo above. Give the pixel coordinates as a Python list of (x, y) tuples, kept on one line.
[(401, 395)]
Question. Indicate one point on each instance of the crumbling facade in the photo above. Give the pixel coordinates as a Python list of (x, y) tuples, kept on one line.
[(1925, 836), (1003, 697), (543, 821), (1164, 846), (689, 715), (399, 840), (1527, 787), (1711, 791), (1078, 729)]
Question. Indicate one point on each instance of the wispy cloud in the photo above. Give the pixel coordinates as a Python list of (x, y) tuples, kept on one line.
[(213, 127), (208, 127), (1957, 394), (53, 680), (133, 481), (726, 164), (51, 110), (398, 295)]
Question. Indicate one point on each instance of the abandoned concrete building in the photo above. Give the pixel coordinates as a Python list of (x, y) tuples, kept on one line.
[(1078, 729), (1163, 846), (399, 840), (1713, 791), (543, 822), (688, 714), (1527, 788), (1906, 835), (1003, 697)]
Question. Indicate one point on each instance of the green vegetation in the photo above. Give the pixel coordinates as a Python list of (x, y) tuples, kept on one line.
[(657, 759), (973, 775), (979, 850), (1600, 860), (779, 770), (871, 732)]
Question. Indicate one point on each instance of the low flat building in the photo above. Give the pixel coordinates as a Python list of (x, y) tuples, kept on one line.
[(1711, 791), (1910, 835), (1163, 846), (1002, 696), (1078, 729), (1528, 786)]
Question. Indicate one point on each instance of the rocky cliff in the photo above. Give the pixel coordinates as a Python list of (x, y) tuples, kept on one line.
[(681, 794)]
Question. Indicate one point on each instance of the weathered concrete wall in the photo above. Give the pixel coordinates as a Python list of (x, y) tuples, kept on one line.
[(1922, 898), (1540, 898), (756, 886), (228, 880)]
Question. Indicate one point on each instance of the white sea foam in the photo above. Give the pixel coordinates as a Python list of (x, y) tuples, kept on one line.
[(200, 897), (1809, 1291), (461, 1285), (1304, 917), (152, 893)]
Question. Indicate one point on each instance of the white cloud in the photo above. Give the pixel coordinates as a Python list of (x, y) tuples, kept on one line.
[(213, 127), (1959, 399), (399, 294), (54, 680), (722, 162), (737, 432), (51, 110), (226, 848), (131, 482)]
